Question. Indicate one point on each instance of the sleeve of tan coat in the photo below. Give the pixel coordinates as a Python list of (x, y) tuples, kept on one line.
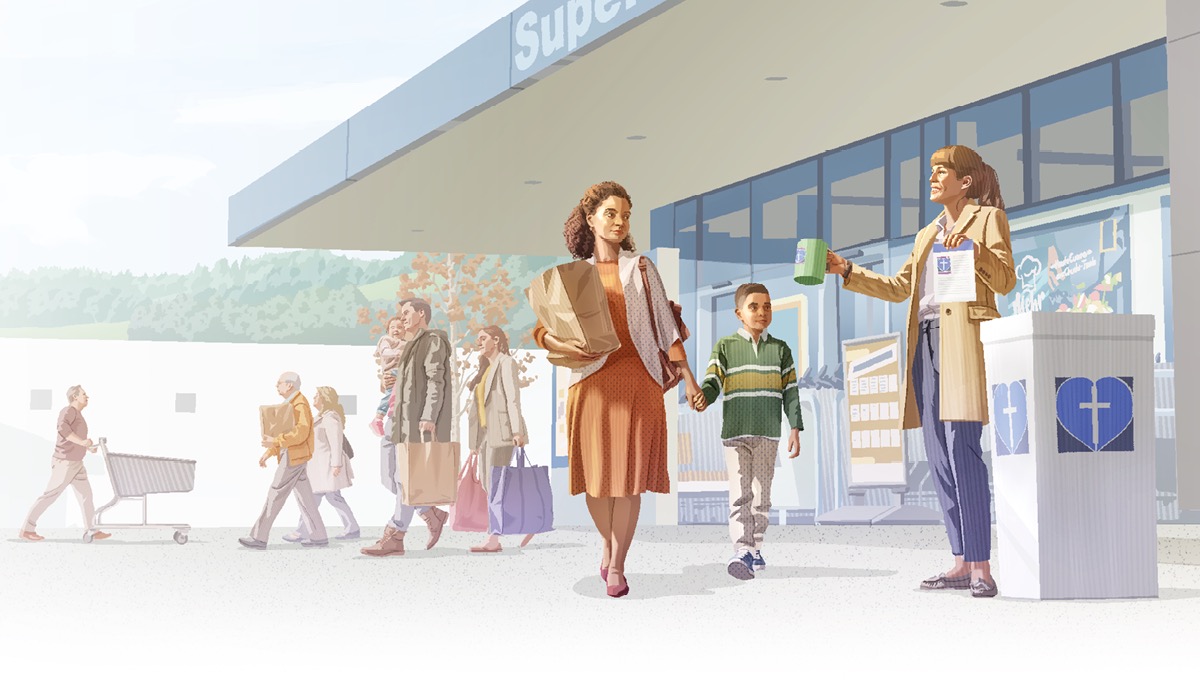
[(896, 288), (512, 394)]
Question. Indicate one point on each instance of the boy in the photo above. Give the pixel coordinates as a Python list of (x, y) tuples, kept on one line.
[(758, 377), (387, 356)]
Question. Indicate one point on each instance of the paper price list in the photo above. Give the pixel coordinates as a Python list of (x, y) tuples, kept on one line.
[(874, 412)]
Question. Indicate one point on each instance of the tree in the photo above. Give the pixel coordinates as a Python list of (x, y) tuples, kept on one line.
[(466, 293)]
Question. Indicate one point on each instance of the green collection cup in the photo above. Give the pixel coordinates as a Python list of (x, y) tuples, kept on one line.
[(810, 261)]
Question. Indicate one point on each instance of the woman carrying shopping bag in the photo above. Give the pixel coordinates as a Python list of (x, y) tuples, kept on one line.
[(616, 417), (495, 420), (329, 469)]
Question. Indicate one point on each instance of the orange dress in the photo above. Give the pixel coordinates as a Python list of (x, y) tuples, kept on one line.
[(616, 420)]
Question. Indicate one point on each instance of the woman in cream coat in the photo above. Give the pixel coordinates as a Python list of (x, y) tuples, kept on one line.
[(494, 417), (329, 469)]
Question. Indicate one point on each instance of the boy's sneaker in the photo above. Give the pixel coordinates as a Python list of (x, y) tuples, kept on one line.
[(759, 564), (741, 566)]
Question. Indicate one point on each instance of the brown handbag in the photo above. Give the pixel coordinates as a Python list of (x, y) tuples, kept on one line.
[(671, 373)]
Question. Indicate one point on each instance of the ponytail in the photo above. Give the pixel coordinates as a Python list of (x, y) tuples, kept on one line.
[(989, 188), (483, 365)]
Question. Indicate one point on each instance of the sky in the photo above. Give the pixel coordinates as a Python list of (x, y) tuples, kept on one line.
[(125, 125)]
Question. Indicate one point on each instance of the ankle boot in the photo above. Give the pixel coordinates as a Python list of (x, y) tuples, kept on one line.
[(434, 518), (391, 543)]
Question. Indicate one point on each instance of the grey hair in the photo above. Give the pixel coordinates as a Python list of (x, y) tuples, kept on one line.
[(73, 392), (291, 377)]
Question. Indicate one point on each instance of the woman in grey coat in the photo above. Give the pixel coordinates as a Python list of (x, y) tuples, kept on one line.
[(494, 416)]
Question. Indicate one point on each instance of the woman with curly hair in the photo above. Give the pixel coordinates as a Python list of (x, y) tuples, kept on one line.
[(616, 419)]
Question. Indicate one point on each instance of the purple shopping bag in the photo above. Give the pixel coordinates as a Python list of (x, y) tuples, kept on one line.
[(521, 502)]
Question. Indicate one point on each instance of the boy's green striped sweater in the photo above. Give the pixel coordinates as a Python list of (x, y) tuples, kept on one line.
[(758, 385)]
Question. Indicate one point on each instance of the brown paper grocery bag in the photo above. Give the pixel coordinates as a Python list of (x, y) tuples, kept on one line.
[(428, 471), (569, 300), (276, 419)]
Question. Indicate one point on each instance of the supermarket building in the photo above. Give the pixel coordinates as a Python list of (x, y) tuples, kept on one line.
[(739, 128)]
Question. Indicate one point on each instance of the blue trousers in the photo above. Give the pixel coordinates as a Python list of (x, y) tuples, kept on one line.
[(955, 457)]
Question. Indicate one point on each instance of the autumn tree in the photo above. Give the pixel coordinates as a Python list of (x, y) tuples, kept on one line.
[(466, 293)]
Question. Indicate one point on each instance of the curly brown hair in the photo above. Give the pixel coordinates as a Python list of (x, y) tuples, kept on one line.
[(581, 241)]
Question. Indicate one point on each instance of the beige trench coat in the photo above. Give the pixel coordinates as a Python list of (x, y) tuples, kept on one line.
[(502, 407), (964, 390)]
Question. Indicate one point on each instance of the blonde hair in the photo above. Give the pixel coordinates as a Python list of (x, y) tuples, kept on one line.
[(329, 401)]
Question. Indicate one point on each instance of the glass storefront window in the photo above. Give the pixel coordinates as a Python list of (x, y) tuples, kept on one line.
[(662, 227), (687, 238), (784, 209), (854, 195), (1077, 265), (1144, 109), (1072, 124), (725, 235), (907, 187), (993, 130)]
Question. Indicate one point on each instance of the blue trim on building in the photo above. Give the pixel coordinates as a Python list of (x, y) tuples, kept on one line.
[(556, 461)]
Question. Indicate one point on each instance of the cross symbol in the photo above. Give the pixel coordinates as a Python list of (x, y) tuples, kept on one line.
[(1095, 407), (1012, 433)]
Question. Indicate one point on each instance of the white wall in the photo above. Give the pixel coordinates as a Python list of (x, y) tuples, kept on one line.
[(132, 386), (1183, 103)]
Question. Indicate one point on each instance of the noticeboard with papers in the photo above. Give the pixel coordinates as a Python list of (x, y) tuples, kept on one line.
[(873, 387)]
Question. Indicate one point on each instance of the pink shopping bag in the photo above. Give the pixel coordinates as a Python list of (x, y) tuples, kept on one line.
[(469, 513)]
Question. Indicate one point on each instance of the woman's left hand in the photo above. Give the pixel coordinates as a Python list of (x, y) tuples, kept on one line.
[(692, 390), (337, 471), (519, 440)]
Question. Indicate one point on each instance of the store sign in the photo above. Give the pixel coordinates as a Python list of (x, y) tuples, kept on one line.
[(542, 37)]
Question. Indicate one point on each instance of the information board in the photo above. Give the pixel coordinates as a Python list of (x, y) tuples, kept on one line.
[(873, 392)]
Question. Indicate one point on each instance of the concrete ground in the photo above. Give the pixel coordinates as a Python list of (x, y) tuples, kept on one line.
[(841, 601)]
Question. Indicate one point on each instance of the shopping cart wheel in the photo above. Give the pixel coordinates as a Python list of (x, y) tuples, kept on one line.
[(88, 536), (180, 537)]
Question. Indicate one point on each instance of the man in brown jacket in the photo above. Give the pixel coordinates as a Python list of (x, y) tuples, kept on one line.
[(421, 394), (292, 450)]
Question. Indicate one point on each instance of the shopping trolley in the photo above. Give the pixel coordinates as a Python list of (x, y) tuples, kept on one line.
[(134, 476)]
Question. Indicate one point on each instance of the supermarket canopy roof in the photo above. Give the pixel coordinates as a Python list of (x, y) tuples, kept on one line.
[(488, 149)]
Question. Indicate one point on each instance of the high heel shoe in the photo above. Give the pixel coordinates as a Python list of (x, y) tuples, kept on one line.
[(618, 590), (603, 574)]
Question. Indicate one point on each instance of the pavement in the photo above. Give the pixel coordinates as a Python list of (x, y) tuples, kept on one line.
[(835, 600)]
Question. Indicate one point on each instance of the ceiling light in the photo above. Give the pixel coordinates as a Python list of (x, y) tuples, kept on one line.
[(953, 3), (776, 78), (417, 230), (635, 137), (532, 182)]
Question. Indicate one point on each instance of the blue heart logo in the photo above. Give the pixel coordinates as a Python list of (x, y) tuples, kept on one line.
[(1094, 416), (1010, 418)]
